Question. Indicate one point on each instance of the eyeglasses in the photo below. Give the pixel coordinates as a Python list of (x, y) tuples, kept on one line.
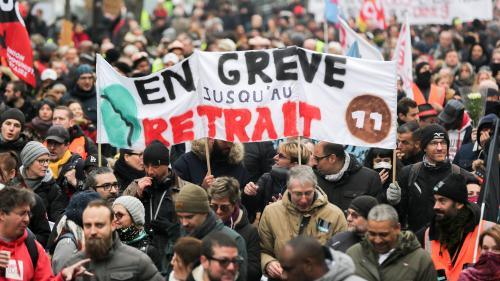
[(23, 214), (108, 186), (137, 154), (223, 207), (437, 142), (318, 158), (354, 215), (300, 194), (226, 261), (43, 161)]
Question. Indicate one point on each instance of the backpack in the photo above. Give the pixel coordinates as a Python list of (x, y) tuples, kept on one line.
[(415, 170), (32, 248)]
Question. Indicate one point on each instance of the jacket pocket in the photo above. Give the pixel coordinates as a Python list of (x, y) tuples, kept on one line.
[(121, 276)]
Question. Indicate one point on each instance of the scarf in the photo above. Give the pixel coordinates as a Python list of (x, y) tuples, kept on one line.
[(55, 166), (487, 268), (434, 166), (130, 235), (127, 173), (452, 231), (33, 184), (338, 176)]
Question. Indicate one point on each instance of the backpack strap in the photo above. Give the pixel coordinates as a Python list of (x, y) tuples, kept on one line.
[(32, 248), (414, 171), (455, 169)]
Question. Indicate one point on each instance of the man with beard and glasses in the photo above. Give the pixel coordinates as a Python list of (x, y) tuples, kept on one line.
[(219, 260), (103, 181), (110, 259), (356, 214), (451, 237), (412, 193), (388, 253), (226, 159), (423, 90), (155, 192)]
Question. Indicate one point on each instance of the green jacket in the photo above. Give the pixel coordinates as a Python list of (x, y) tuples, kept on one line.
[(407, 262)]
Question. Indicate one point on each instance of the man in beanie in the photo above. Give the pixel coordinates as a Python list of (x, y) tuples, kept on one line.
[(451, 237), (84, 91), (37, 176), (414, 199), (11, 138), (16, 96), (155, 192), (304, 210), (423, 90), (66, 167), (357, 223), (129, 222), (198, 220)]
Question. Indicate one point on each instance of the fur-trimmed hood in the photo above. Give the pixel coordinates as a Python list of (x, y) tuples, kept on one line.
[(235, 155)]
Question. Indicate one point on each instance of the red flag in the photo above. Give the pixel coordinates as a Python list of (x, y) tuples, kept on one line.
[(371, 13), (15, 43)]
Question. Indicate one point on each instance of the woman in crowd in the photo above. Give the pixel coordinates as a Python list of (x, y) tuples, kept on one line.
[(380, 160), (272, 185), (129, 222), (187, 252), (487, 267), (37, 128), (80, 119), (128, 167)]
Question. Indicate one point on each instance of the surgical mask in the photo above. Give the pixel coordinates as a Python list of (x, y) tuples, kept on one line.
[(382, 165), (473, 199)]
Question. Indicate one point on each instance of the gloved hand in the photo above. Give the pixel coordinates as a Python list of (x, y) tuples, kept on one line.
[(393, 193)]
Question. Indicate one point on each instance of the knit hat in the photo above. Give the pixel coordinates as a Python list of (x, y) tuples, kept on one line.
[(433, 132), (13, 113), (156, 153), (363, 204), (83, 69), (31, 151), (134, 207), (453, 187), (192, 199), (77, 205), (58, 133)]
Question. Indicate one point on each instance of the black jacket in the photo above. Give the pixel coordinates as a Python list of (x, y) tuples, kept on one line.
[(251, 235), (258, 158), (39, 224), (357, 180), (125, 174), (344, 240), (15, 146)]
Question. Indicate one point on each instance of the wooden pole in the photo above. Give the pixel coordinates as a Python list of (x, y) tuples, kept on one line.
[(394, 158), (99, 155), (207, 156), (300, 151)]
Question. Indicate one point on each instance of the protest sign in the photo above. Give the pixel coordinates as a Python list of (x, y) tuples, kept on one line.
[(251, 96), (403, 57)]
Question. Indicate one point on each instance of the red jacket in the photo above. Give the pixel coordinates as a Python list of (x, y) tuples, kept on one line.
[(20, 267)]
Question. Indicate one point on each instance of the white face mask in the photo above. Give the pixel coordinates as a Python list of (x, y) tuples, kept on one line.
[(382, 165), (2, 186)]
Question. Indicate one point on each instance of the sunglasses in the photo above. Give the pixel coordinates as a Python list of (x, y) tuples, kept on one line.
[(226, 261), (223, 207), (354, 215)]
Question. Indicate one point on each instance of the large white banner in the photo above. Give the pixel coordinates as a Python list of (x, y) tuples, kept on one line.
[(251, 96), (427, 11)]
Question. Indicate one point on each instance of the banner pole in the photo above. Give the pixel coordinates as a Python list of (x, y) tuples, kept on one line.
[(394, 158), (99, 155), (325, 31), (207, 156), (300, 151), (476, 244)]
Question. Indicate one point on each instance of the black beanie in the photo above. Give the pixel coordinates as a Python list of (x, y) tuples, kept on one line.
[(453, 187), (433, 132), (13, 113), (156, 153), (363, 204), (77, 205)]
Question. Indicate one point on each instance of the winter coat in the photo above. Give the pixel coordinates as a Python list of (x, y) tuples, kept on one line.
[(21, 260), (270, 184), (258, 158), (408, 261), (54, 200), (213, 224), (145, 245), (192, 166), (68, 240), (37, 129), (122, 263), (251, 235), (89, 147), (357, 180), (161, 222), (340, 268), (281, 222), (125, 174), (39, 224), (344, 240), (459, 137), (417, 201), (15, 145)]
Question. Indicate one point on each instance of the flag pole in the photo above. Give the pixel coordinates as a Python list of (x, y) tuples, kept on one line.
[(300, 151), (325, 35), (99, 155), (207, 156), (394, 158)]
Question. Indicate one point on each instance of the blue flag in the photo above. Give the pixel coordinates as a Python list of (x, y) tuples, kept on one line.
[(353, 52), (331, 11)]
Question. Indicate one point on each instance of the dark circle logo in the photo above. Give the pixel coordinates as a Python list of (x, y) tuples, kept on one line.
[(368, 118)]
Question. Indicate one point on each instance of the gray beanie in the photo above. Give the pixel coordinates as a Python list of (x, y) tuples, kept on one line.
[(31, 151), (134, 207)]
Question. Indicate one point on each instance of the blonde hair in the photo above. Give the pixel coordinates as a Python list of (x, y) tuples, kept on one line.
[(291, 149)]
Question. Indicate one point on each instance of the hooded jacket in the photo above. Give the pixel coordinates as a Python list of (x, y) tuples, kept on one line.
[(192, 166), (121, 263), (281, 221), (251, 235), (459, 136), (408, 261), (54, 200), (357, 180), (21, 264), (340, 268)]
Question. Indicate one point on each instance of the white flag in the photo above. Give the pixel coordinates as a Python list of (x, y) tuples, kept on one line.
[(403, 58), (348, 37)]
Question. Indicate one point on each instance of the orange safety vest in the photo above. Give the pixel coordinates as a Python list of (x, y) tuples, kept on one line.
[(78, 146), (442, 259), (436, 95)]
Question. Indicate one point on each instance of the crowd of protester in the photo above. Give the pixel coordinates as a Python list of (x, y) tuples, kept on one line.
[(283, 210)]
